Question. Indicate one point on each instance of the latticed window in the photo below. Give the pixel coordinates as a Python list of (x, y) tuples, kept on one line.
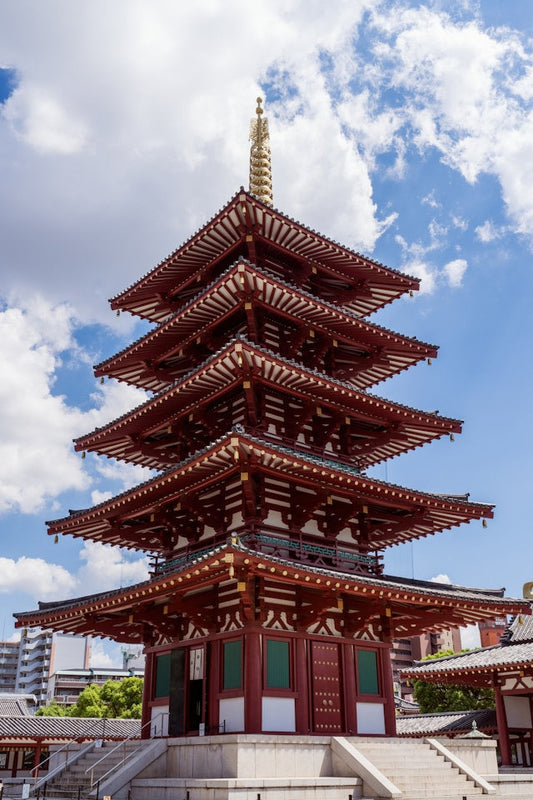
[(367, 672), (162, 675), (277, 664), (232, 674)]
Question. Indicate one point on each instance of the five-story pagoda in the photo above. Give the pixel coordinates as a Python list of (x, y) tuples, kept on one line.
[(267, 608)]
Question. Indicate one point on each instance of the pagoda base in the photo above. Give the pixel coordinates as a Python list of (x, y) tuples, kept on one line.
[(278, 767), (248, 766)]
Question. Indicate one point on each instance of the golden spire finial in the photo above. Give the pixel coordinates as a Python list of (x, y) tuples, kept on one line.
[(260, 168)]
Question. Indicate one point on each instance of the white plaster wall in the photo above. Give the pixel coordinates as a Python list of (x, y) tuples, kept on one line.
[(159, 721), (370, 718), (518, 712), (231, 712), (278, 714)]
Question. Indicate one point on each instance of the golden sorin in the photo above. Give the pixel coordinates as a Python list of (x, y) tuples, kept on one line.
[(260, 168)]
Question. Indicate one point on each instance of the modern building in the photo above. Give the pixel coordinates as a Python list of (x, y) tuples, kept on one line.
[(66, 685), (9, 656), (491, 631), (43, 652), (405, 652), (267, 610)]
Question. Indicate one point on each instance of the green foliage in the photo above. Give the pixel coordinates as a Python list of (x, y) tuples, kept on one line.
[(89, 703), (119, 699), (433, 697), (53, 710)]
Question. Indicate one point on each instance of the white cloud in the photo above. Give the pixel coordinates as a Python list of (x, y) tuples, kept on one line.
[(423, 270), (128, 474), (36, 427), (102, 568), (37, 462), (36, 577), (42, 123), (488, 232), (105, 655), (108, 567), (441, 578), (98, 497), (454, 272), (470, 637), (466, 92)]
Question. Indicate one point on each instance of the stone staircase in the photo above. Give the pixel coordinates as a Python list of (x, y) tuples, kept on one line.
[(80, 778), (417, 770)]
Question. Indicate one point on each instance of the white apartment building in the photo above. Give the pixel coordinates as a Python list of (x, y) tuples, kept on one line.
[(41, 653), (9, 656)]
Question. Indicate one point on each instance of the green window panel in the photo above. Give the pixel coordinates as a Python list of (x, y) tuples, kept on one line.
[(367, 671), (232, 665), (162, 675), (277, 664)]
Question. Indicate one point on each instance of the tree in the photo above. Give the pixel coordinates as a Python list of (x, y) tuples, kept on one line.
[(53, 710), (89, 703), (119, 699), (123, 699), (435, 697)]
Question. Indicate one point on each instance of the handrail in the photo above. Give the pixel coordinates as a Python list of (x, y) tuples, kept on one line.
[(60, 767), (120, 744)]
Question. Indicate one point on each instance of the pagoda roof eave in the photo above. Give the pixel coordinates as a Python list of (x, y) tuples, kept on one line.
[(237, 452), (244, 213), (223, 562), (226, 368), (241, 283)]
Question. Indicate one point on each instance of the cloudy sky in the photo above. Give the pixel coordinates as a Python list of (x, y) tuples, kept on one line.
[(403, 129)]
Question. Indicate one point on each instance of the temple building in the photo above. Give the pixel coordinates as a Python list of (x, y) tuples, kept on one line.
[(507, 668), (267, 608)]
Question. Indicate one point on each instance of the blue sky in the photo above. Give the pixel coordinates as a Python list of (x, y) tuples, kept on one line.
[(402, 129)]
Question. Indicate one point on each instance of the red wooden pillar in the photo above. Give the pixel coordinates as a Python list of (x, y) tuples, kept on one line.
[(350, 699), (37, 758), (302, 687), (252, 682), (503, 730), (147, 694), (388, 691)]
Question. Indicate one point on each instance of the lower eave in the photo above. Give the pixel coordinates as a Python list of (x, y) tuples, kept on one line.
[(422, 605)]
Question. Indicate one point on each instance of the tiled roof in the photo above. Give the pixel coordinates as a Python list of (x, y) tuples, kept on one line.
[(392, 583), (484, 658), (450, 722), (16, 705), (223, 231), (67, 728), (520, 629), (516, 647)]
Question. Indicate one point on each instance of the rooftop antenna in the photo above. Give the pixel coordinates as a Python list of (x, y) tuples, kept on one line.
[(260, 166)]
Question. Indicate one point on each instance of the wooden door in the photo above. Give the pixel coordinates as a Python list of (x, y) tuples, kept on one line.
[(326, 688)]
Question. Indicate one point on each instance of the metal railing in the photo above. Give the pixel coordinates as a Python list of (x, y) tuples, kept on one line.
[(125, 756), (40, 782)]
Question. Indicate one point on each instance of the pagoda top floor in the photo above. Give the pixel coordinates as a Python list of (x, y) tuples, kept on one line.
[(246, 227)]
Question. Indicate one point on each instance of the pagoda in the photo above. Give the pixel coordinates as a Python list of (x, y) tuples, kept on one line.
[(267, 609)]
